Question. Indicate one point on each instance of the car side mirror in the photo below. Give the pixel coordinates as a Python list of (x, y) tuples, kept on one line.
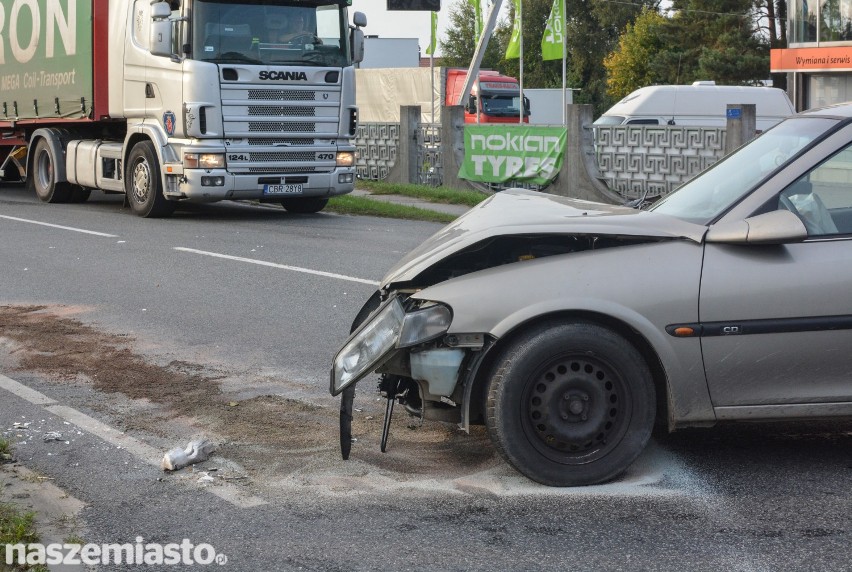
[(775, 227)]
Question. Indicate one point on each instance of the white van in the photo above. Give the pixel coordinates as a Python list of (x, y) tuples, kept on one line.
[(702, 104)]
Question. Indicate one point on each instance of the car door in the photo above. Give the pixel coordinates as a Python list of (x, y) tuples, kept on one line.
[(777, 319)]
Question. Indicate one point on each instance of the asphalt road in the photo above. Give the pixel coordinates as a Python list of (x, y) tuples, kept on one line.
[(740, 497)]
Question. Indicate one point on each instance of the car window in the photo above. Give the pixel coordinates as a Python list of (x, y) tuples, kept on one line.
[(822, 197), (714, 191)]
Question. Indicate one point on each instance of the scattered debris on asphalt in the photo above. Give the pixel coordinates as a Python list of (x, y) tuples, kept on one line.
[(52, 436), (197, 451)]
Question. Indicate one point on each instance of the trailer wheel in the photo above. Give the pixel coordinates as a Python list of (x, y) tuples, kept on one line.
[(43, 179), (304, 206), (143, 184)]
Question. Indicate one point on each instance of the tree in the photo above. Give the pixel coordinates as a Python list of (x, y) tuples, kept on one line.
[(710, 40), (460, 43), (628, 67), (592, 31)]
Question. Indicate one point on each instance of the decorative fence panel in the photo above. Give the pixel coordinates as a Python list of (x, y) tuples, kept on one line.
[(429, 165), (658, 159), (377, 145), (632, 159)]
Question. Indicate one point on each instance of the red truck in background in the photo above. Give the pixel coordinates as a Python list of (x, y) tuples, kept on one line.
[(495, 98)]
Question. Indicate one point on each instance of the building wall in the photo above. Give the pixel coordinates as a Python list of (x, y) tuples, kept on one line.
[(819, 59)]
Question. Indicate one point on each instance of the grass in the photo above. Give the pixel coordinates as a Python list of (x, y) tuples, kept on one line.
[(16, 526), (348, 204), (424, 192)]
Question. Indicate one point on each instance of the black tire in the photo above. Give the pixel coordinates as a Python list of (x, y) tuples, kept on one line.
[(304, 206), (570, 404), (79, 195), (143, 184), (43, 176)]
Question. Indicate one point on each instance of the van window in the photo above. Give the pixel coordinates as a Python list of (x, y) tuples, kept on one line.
[(609, 120), (643, 122)]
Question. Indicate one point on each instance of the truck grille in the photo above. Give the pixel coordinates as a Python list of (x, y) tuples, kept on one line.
[(282, 94), (266, 123), (281, 111)]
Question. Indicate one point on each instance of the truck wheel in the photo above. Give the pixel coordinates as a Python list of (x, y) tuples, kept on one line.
[(43, 179), (143, 185), (304, 206), (570, 404)]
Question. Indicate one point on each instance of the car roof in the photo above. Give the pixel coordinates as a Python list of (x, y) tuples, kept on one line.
[(836, 110)]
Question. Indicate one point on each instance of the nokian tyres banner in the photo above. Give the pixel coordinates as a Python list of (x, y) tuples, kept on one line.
[(503, 153), (45, 58)]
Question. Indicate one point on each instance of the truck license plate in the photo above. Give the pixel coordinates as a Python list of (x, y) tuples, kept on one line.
[(282, 189)]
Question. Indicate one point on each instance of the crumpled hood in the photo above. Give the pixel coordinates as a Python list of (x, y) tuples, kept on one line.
[(518, 211)]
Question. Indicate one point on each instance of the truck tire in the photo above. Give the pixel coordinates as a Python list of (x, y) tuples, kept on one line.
[(79, 195), (143, 184), (304, 206), (43, 179), (570, 404)]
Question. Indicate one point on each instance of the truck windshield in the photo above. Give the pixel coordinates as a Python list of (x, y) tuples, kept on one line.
[(501, 105), (259, 32)]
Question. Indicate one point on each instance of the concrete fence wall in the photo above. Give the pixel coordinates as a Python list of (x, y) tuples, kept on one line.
[(606, 163)]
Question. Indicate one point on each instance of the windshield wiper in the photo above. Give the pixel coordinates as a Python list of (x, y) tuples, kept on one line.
[(230, 57)]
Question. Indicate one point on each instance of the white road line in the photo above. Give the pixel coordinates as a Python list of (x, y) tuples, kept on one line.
[(138, 449), (281, 266), (84, 231)]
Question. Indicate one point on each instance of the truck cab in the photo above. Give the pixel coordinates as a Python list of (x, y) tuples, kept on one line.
[(494, 98)]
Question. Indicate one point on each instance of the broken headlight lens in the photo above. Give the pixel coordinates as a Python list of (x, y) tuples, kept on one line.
[(390, 328), (364, 350), (425, 324)]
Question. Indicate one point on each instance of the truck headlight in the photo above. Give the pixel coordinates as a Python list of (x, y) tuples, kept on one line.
[(204, 161), (345, 158), (388, 329)]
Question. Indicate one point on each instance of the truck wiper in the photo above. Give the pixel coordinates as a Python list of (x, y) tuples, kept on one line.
[(229, 57)]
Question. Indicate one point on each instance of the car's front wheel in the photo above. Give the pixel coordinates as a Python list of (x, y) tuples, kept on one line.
[(570, 404)]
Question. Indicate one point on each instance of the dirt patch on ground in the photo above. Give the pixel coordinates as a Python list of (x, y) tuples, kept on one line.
[(268, 433)]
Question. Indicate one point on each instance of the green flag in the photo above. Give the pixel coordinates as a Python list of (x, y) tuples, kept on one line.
[(513, 51), (431, 49), (477, 10), (554, 33)]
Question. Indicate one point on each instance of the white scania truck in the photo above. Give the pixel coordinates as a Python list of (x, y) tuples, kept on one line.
[(185, 100)]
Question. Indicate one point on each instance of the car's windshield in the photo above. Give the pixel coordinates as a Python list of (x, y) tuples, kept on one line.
[(707, 196), (256, 31)]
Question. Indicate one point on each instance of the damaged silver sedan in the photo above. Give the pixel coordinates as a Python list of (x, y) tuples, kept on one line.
[(570, 328)]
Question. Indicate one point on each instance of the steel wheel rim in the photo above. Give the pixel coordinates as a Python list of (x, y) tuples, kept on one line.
[(44, 169), (576, 409), (141, 181)]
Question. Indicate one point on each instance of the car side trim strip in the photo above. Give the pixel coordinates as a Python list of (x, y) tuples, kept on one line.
[(751, 327)]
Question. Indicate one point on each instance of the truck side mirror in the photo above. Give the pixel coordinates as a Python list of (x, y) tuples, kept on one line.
[(471, 104), (357, 46), (526, 105), (161, 29)]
